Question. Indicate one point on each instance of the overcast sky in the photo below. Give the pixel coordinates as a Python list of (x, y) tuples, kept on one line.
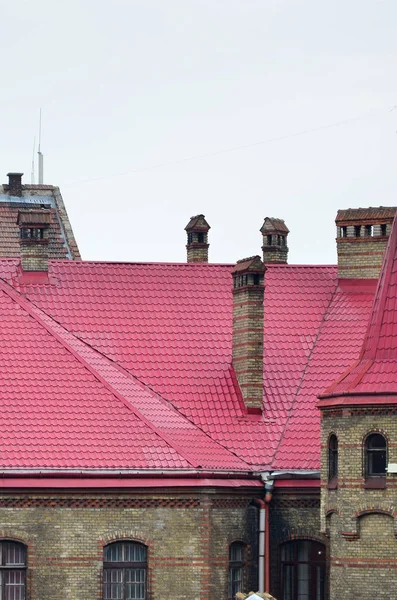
[(156, 110)]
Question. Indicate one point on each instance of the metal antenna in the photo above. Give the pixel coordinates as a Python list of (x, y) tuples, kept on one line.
[(32, 173), (40, 154)]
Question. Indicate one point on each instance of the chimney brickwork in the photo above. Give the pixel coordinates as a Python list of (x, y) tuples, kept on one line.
[(15, 184), (361, 239), (248, 292), (274, 234), (34, 227), (197, 239)]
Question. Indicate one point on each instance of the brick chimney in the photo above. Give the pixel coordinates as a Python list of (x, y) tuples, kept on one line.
[(274, 233), (34, 227), (15, 184), (197, 239), (248, 291), (361, 240)]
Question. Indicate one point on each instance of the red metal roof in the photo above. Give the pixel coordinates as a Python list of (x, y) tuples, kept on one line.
[(129, 366), (375, 373)]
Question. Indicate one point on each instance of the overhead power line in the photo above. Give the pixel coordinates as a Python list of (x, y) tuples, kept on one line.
[(280, 138)]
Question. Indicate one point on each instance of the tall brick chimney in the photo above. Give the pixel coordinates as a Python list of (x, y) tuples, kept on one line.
[(34, 227), (15, 184), (248, 292), (274, 233), (197, 239), (361, 240)]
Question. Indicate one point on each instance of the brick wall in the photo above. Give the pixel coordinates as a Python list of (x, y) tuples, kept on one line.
[(293, 515), (360, 257), (188, 539), (248, 343), (197, 252), (360, 522)]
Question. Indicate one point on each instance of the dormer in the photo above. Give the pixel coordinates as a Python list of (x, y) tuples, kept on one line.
[(274, 234), (197, 239)]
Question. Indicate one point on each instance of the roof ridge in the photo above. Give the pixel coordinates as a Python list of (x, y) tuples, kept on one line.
[(61, 334)]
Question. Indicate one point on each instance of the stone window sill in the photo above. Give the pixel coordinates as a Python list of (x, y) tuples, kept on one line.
[(375, 483)]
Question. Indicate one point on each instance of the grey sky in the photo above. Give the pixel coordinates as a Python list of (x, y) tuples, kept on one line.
[(128, 85)]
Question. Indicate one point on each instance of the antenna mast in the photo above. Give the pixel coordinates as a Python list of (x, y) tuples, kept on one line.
[(41, 166), (32, 173)]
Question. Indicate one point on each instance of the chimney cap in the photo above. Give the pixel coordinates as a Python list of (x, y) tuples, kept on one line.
[(372, 214), (14, 174), (198, 223), (273, 225), (253, 264)]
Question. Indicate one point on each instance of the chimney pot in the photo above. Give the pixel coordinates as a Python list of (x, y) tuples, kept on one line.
[(275, 234), (197, 239), (361, 240), (15, 184)]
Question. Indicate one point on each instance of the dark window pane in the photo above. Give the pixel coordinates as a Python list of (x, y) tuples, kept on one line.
[(134, 553), (114, 553), (15, 554), (376, 454), (288, 579), (236, 552), (376, 440), (112, 584), (333, 457), (124, 581), (303, 574), (376, 463)]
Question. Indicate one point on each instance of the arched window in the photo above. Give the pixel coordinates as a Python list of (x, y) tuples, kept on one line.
[(124, 571), (236, 569), (303, 570), (375, 455), (12, 570), (332, 457)]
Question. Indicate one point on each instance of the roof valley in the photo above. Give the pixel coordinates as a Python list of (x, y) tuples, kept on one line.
[(121, 388)]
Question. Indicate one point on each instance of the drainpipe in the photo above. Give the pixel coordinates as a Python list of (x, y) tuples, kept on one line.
[(268, 498), (263, 510)]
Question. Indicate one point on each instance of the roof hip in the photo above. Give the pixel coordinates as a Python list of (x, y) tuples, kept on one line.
[(189, 441)]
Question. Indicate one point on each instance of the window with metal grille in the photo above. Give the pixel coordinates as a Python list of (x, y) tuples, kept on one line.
[(32, 233), (375, 455), (236, 569), (332, 457), (303, 570), (125, 571), (383, 229), (12, 570)]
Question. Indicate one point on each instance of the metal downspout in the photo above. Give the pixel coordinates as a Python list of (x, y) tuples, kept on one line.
[(262, 535)]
